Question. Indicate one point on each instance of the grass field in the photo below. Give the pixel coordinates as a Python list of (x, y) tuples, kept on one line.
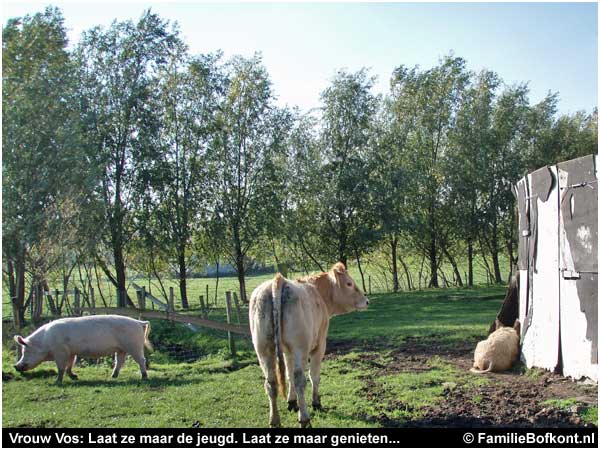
[(218, 391)]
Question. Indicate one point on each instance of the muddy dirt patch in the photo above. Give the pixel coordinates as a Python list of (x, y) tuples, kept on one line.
[(519, 398)]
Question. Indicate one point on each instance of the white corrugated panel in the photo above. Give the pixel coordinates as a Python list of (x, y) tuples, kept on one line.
[(540, 346)]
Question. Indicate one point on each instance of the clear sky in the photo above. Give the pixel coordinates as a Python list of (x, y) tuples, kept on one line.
[(553, 46)]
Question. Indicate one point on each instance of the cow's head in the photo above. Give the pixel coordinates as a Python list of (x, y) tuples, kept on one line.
[(346, 295)]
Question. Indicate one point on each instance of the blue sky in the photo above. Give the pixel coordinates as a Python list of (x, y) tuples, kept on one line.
[(553, 46)]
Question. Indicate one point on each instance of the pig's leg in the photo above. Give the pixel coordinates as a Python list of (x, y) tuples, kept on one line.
[(62, 357), (70, 365), (138, 357), (119, 360)]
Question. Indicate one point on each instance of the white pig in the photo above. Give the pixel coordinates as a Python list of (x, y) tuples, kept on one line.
[(92, 336)]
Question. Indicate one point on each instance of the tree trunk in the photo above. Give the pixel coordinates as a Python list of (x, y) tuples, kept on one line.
[(19, 298), (182, 278), (470, 261), (394, 248), (409, 283), (216, 284), (242, 282), (433, 263), (454, 266), (115, 282), (362, 276), (421, 270), (433, 266), (494, 250), (241, 274), (121, 279), (343, 243), (12, 288)]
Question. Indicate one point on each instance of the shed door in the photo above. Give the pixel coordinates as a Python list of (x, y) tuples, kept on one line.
[(578, 231)]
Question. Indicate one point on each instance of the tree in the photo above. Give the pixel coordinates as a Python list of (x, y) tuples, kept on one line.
[(41, 165), (391, 177), (189, 93), (249, 154), (117, 70), (344, 219), (466, 169), (436, 94)]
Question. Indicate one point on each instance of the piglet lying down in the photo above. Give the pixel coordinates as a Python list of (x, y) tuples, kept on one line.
[(499, 351), (93, 336)]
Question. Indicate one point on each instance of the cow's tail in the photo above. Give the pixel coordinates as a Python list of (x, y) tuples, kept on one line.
[(277, 288), (489, 369), (147, 343)]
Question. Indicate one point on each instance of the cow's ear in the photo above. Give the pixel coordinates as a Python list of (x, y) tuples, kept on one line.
[(339, 267), (19, 340)]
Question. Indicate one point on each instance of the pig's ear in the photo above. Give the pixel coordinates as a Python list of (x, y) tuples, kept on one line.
[(517, 326), (21, 341)]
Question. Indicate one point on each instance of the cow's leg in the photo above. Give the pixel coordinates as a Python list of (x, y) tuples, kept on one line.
[(119, 361), (291, 398), (70, 365), (268, 365), (300, 362), (315, 375)]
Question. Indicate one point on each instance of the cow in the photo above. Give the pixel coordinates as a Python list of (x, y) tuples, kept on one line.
[(289, 322), (499, 351), (63, 340)]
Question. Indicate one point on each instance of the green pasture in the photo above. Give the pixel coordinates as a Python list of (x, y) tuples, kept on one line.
[(193, 379)]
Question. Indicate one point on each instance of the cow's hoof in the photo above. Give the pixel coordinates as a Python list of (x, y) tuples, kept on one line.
[(305, 424), (115, 375), (275, 424), (293, 405), (72, 376), (144, 376), (317, 406)]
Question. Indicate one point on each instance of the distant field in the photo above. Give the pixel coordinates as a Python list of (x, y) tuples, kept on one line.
[(380, 283)]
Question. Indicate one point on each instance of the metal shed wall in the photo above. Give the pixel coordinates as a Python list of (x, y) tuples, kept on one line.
[(558, 264)]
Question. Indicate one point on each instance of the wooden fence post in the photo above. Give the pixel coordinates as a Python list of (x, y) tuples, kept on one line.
[(143, 298), (92, 301), (237, 307), (207, 300), (171, 299), (76, 301), (229, 333), (138, 295), (204, 307)]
